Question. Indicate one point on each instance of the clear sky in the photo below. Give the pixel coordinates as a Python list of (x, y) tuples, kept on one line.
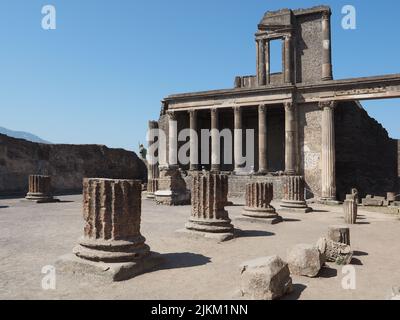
[(100, 76)]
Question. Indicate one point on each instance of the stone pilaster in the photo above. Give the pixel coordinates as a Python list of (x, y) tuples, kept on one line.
[(40, 189), (112, 245), (262, 140), (152, 165), (209, 217), (326, 47), (290, 138), (258, 203), (293, 195), (194, 151), (215, 143), (328, 157)]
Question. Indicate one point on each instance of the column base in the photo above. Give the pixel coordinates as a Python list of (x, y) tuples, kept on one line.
[(171, 198), (264, 216), (194, 234), (261, 173), (70, 264), (294, 206), (329, 202), (40, 198)]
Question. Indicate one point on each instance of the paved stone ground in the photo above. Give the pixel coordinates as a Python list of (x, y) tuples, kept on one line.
[(33, 236)]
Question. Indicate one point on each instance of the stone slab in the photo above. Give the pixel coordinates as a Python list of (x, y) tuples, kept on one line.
[(295, 210), (270, 221), (70, 264)]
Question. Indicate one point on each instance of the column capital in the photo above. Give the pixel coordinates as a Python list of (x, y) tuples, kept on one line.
[(214, 110), (289, 106), (237, 109), (171, 115), (262, 108), (192, 112), (327, 104)]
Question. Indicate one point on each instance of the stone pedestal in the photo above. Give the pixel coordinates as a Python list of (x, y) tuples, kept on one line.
[(171, 188), (350, 211), (339, 234), (112, 247), (40, 189), (209, 218), (258, 204), (293, 195)]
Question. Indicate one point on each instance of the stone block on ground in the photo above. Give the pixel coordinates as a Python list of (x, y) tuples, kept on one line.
[(266, 278), (305, 260)]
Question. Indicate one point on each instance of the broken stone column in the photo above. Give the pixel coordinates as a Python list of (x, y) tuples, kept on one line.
[(172, 189), (40, 189), (209, 217), (336, 252), (350, 211), (266, 278), (339, 234), (293, 195), (353, 196), (112, 246), (258, 203)]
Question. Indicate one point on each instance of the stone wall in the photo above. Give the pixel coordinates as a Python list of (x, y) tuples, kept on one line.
[(67, 164), (366, 158)]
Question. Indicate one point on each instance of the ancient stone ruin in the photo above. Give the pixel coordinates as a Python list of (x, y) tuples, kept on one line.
[(40, 189), (112, 246), (209, 218), (337, 252), (258, 203), (339, 234), (293, 195), (350, 208), (305, 260)]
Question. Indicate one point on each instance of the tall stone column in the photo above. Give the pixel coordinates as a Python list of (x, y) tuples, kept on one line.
[(238, 140), (152, 165), (262, 140), (209, 218), (290, 136), (215, 143), (112, 245), (40, 189), (288, 59), (261, 62), (293, 195), (328, 157), (172, 139), (326, 47), (194, 141)]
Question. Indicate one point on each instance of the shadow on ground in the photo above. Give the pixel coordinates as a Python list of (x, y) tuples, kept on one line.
[(252, 233), (3, 207), (327, 273), (183, 260), (296, 293)]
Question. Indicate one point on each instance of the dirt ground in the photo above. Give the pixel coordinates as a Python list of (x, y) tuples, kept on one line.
[(35, 235)]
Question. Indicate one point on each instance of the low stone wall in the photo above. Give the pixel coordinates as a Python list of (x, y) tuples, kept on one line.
[(67, 164)]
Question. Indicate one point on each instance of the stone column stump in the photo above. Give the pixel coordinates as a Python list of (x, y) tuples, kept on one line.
[(40, 189), (350, 211), (112, 247), (258, 204), (209, 218), (337, 252), (339, 234), (171, 188), (293, 195)]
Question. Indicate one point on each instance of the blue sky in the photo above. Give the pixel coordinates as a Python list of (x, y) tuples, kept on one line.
[(100, 76)]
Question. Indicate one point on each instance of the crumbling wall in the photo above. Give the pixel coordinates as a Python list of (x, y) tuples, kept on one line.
[(67, 164), (366, 158)]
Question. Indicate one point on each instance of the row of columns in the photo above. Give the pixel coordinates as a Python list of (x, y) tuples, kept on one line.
[(290, 140), (328, 172)]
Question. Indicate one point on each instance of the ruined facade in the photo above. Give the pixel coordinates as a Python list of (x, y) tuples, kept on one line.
[(305, 123)]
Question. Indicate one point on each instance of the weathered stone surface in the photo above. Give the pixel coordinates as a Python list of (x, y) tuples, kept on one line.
[(373, 201), (112, 241), (293, 195), (66, 164), (209, 217), (172, 189), (305, 260), (266, 278), (339, 234), (336, 252), (350, 211), (40, 189), (395, 294), (258, 203)]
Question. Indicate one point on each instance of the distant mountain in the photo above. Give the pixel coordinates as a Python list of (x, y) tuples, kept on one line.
[(22, 135)]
